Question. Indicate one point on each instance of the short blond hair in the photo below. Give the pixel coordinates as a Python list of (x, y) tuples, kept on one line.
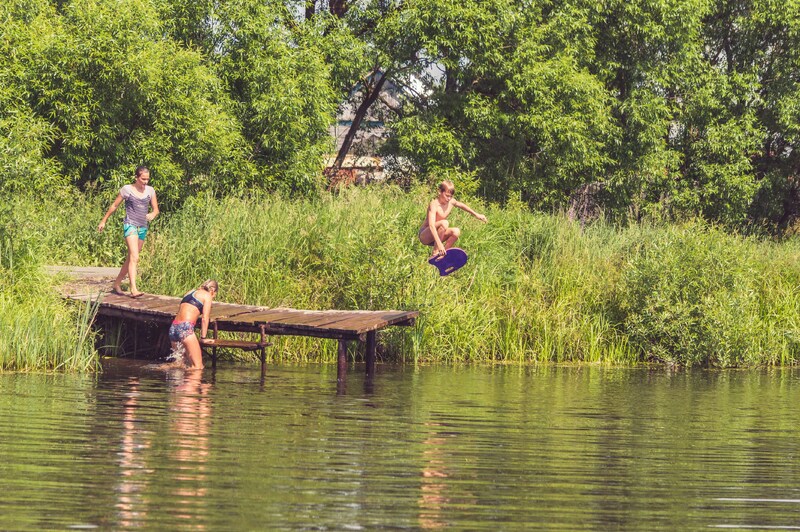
[(447, 186)]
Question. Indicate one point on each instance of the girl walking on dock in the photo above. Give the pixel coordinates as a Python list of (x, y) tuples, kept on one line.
[(139, 197)]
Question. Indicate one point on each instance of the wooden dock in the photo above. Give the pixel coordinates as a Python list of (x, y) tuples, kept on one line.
[(341, 325)]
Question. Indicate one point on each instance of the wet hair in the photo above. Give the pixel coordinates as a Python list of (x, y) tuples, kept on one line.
[(210, 285), (141, 169), (446, 186)]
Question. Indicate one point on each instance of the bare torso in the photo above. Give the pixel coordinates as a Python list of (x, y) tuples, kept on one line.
[(441, 212)]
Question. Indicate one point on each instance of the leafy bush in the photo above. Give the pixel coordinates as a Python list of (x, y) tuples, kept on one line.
[(38, 330), (694, 295)]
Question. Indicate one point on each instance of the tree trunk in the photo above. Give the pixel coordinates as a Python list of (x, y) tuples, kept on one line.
[(370, 95), (338, 8)]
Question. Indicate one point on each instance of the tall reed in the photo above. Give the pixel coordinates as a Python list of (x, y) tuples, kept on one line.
[(537, 288), (39, 331)]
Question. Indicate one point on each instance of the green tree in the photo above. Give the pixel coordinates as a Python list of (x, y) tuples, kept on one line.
[(116, 94), (25, 137), (759, 40), (513, 102), (273, 66)]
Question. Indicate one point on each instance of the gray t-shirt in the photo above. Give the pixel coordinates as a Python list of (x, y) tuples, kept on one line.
[(136, 206)]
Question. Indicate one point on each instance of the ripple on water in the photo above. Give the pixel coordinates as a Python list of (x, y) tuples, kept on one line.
[(474, 448)]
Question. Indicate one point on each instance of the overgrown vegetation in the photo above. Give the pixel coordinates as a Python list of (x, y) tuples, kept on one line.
[(39, 331), (673, 109), (660, 111), (537, 288)]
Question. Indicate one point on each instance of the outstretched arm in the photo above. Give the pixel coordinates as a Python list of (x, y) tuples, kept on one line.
[(109, 212), (465, 207)]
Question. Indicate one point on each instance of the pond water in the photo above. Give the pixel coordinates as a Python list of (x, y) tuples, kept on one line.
[(414, 448)]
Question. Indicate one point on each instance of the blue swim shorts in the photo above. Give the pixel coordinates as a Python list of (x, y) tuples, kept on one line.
[(128, 230), (180, 330)]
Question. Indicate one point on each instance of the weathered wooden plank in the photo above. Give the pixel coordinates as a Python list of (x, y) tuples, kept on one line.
[(258, 316), (347, 327), (143, 302), (165, 306), (135, 316), (320, 321), (241, 313), (308, 318), (237, 344), (377, 320), (336, 324), (353, 319)]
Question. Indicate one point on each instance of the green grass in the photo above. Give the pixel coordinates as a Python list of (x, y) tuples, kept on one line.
[(39, 331), (537, 288)]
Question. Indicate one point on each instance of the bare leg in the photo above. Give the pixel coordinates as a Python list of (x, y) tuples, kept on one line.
[(193, 355), (123, 272), (134, 248), (425, 235), (450, 237)]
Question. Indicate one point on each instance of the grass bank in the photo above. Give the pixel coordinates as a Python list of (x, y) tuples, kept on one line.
[(537, 288), (39, 331)]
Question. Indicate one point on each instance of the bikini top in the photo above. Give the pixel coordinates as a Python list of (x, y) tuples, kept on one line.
[(189, 298)]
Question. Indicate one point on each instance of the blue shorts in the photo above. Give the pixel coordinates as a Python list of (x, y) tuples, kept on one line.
[(128, 230), (179, 330)]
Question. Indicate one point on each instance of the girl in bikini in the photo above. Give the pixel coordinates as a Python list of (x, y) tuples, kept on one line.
[(436, 230), (138, 197), (195, 304)]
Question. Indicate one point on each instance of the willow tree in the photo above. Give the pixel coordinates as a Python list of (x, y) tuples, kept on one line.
[(492, 92)]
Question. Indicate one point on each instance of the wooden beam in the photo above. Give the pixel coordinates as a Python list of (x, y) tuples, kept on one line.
[(372, 345)]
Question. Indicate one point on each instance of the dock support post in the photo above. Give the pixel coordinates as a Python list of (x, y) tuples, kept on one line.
[(262, 330), (372, 344), (341, 366), (213, 348)]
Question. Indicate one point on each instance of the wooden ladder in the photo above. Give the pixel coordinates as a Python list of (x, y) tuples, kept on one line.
[(244, 345)]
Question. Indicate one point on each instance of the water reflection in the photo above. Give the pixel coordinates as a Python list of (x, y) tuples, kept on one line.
[(187, 451), (131, 501), (433, 488), (191, 411), (468, 449)]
